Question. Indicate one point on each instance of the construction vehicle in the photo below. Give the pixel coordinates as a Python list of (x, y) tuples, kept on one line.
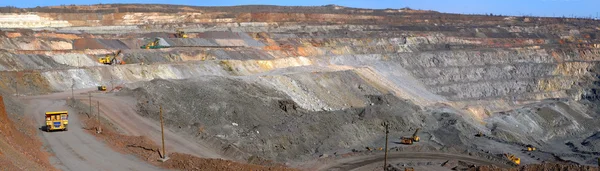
[(111, 59), (409, 169), (411, 140), (57, 121), (181, 34), (406, 141), (102, 88), (416, 138), (153, 45), (530, 148), (513, 158)]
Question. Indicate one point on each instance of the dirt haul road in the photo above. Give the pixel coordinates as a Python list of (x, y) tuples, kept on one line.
[(360, 162), (121, 112), (75, 149)]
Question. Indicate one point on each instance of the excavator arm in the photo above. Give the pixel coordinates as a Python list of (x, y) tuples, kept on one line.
[(152, 45), (111, 60), (415, 137)]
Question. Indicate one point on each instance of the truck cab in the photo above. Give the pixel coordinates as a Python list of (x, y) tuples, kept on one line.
[(57, 121)]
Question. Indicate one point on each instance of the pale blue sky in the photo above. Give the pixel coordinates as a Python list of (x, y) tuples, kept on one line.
[(581, 8)]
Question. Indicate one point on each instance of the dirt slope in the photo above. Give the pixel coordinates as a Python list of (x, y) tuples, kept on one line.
[(19, 150)]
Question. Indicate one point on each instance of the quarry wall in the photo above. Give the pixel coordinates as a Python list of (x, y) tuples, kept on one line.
[(340, 63)]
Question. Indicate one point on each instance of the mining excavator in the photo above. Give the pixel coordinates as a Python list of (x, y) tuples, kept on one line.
[(111, 59), (513, 158), (181, 34), (411, 140), (153, 45)]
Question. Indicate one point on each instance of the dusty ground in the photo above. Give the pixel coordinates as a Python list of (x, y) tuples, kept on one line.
[(545, 166)]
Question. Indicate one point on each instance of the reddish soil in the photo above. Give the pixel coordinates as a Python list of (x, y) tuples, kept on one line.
[(20, 150), (87, 43), (536, 167), (146, 150)]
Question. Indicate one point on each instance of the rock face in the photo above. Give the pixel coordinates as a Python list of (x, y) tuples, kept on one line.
[(289, 83)]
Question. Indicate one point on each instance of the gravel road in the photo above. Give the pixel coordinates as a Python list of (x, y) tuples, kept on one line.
[(75, 149)]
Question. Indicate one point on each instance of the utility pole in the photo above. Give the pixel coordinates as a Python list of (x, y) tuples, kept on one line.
[(386, 124), (112, 87), (17, 83), (162, 131), (90, 104), (98, 119), (72, 87)]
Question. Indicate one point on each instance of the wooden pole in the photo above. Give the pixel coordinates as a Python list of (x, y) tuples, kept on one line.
[(98, 119), (112, 87), (162, 131), (386, 146), (90, 94), (17, 83), (72, 87)]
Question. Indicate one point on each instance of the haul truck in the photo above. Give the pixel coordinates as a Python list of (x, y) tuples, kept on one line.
[(57, 121)]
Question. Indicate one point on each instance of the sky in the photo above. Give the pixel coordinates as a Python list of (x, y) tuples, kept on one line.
[(549, 8)]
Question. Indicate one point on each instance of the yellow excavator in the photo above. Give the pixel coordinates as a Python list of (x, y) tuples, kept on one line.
[(411, 140), (181, 34), (513, 158), (111, 59), (153, 45)]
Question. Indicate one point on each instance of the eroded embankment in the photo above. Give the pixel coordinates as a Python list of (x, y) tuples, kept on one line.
[(20, 148)]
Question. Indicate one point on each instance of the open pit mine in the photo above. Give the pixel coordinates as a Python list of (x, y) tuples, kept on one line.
[(161, 87)]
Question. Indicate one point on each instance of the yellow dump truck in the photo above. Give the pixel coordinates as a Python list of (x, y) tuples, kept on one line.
[(57, 121)]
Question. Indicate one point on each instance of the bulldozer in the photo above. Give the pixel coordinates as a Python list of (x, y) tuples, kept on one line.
[(411, 140), (513, 158), (111, 59), (181, 34)]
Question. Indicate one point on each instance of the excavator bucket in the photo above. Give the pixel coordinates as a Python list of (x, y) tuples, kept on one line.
[(415, 137)]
